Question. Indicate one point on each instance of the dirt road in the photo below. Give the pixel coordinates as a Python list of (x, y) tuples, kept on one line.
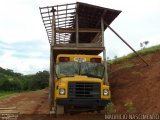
[(35, 102)]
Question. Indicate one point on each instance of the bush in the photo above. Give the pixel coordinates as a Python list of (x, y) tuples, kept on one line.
[(110, 108), (130, 107), (10, 81)]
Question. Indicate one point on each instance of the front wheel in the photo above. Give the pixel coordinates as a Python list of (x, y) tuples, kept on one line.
[(59, 109)]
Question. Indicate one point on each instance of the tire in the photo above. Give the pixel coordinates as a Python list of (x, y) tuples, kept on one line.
[(59, 109)]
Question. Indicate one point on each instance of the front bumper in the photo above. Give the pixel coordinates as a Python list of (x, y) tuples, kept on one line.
[(82, 102)]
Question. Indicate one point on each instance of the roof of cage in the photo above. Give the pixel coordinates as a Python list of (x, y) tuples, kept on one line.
[(89, 16)]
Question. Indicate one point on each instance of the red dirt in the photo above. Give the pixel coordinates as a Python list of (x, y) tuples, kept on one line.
[(35, 102), (139, 84)]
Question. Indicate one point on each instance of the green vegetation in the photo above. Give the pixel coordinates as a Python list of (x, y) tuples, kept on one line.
[(5, 93), (142, 52), (130, 107), (10, 81), (110, 108), (128, 65), (137, 73)]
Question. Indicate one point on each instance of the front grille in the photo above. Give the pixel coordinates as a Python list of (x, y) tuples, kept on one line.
[(83, 90)]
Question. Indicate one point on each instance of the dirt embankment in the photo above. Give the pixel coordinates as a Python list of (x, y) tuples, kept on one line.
[(139, 84)]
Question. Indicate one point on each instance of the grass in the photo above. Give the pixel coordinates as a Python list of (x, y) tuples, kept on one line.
[(130, 108), (4, 94), (142, 52), (137, 73), (110, 108), (128, 65)]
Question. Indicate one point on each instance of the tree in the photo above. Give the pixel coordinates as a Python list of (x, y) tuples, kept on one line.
[(115, 57), (141, 45), (11, 81), (146, 42), (39, 81)]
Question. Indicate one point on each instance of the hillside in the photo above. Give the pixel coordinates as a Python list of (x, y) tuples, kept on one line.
[(132, 81), (11, 81)]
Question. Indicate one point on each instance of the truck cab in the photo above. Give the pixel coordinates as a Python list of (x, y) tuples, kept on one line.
[(80, 83)]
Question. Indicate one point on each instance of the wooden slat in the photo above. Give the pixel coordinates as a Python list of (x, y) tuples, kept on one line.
[(67, 20), (8, 108), (96, 37), (66, 9), (63, 24), (65, 14), (69, 30), (9, 112), (87, 45), (79, 48)]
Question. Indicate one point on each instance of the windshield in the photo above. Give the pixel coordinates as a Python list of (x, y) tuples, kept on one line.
[(89, 69), (67, 69)]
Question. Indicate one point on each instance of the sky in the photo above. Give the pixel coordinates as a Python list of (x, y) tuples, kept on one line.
[(24, 46)]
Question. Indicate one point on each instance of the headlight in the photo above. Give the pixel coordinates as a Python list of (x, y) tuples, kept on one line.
[(62, 91), (105, 92)]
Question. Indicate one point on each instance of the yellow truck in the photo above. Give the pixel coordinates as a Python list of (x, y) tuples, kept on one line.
[(78, 74), (79, 83)]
